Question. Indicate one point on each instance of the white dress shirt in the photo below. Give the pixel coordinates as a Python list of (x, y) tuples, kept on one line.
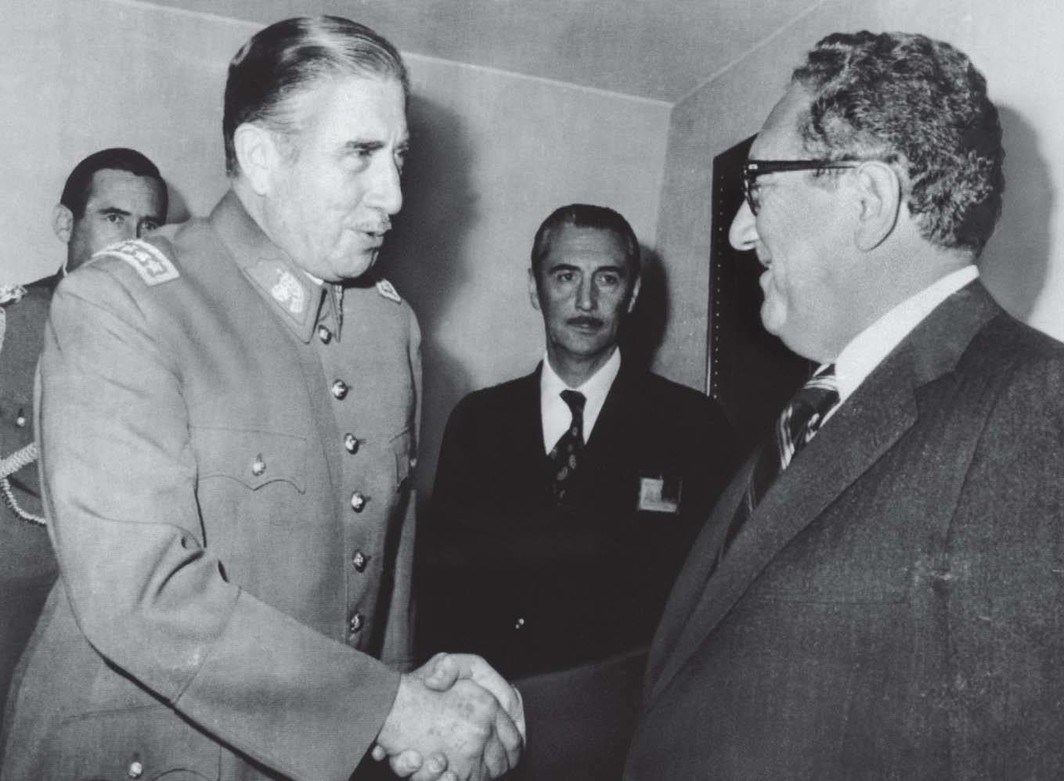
[(555, 413), (868, 349)]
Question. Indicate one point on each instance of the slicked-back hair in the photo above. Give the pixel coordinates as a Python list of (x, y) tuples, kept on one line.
[(582, 215), (293, 56), (917, 103), (78, 185)]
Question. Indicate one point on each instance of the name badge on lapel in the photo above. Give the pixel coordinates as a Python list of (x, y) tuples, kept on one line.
[(660, 494)]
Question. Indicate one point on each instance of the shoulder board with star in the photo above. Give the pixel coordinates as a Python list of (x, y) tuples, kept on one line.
[(153, 267), (386, 289)]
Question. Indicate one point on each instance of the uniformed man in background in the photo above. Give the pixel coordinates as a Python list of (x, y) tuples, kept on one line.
[(228, 417), (111, 195)]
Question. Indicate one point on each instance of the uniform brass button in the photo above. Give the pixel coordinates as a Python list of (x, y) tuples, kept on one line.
[(359, 560), (356, 623), (135, 769), (324, 334), (358, 502), (20, 419), (339, 389), (351, 443), (258, 466), (519, 623)]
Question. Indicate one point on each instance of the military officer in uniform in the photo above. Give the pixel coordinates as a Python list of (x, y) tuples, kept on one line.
[(111, 195), (228, 419)]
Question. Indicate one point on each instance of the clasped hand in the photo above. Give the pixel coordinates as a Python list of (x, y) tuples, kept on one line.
[(454, 719)]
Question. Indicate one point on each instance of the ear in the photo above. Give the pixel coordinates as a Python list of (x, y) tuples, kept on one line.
[(258, 155), (62, 223), (635, 293), (533, 289), (879, 191)]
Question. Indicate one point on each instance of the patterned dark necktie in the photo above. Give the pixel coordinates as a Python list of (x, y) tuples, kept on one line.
[(795, 427), (566, 453)]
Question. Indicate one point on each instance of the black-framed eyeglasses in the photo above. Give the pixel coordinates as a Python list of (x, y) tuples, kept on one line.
[(755, 168)]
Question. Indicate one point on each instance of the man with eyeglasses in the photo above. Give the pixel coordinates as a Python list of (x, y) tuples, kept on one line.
[(878, 593)]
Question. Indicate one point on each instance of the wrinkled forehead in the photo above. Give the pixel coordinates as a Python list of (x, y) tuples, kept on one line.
[(779, 138), (586, 247)]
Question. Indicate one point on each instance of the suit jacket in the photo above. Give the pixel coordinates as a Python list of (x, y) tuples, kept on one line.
[(27, 564), (894, 606), (232, 562), (535, 586)]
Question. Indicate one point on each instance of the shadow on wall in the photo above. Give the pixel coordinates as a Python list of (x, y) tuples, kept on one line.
[(644, 330), (1016, 259), (423, 258)]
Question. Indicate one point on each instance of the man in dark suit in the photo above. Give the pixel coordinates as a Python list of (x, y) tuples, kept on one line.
[(111, 195), (889, 605), (578, 512)]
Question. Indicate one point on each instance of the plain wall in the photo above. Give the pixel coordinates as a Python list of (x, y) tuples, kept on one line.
[(492, 154), (1018, 48)]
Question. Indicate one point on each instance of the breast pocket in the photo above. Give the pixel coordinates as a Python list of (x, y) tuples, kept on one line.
[(248, 477), (251, 458)]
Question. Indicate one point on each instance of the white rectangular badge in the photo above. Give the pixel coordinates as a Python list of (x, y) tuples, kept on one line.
[(659, 494)]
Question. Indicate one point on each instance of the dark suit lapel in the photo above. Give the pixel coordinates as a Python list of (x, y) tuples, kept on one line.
[(617, 418), (527, 422), (863, 429)]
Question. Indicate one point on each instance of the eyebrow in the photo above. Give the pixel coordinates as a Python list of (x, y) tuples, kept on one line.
[(570, 267)]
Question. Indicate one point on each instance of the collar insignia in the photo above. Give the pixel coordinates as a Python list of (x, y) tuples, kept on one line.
[(385, 288), (289, 292)]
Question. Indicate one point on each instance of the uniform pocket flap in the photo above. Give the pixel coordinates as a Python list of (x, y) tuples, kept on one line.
[(251, 457)]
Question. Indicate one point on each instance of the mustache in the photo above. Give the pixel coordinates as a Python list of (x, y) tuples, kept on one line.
[(585, 320)]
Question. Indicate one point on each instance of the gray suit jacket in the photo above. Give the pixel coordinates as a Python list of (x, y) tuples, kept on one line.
[(894, 607)]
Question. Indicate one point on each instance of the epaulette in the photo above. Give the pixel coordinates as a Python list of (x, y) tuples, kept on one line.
[(11, 293), (147, 260), (386, 289)]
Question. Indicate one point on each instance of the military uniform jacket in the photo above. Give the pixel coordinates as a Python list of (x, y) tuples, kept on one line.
[(226, 464), (569, 582), (27, 564)]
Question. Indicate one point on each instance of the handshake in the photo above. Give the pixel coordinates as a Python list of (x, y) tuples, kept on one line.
[(454, 719)]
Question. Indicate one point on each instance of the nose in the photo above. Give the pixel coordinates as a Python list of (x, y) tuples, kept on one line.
[(142, 230), (387, 188), (586, 296), (742, 234)]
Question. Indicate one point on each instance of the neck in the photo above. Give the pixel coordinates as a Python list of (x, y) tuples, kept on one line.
[(575, 370)]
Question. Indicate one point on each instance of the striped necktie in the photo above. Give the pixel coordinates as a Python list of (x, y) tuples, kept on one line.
[(565, 455), (795, 427)]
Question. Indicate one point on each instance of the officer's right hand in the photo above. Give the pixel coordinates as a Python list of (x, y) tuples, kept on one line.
[(464, 724)]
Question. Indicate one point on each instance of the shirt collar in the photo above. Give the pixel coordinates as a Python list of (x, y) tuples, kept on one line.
[(555, 413), (868, 349)]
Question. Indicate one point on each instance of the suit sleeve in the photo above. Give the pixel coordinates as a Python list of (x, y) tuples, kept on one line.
[(120, 486), (456, 476), (1004, 587)]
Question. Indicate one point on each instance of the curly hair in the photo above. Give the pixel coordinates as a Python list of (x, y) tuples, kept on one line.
[(917, 103)]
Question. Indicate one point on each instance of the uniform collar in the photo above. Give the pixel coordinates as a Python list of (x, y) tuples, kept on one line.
[(287, 289)]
